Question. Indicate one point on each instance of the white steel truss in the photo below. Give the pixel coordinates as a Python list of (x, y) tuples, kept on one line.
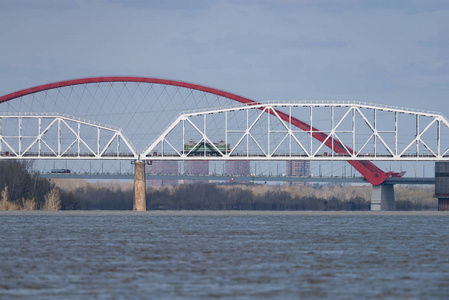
[(59, 136), (273, 131)]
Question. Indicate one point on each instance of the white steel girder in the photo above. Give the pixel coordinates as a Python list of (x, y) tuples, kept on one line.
[(363, 136), (59, 136)]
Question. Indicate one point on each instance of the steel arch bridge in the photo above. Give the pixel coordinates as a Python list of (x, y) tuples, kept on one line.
[(352, 131)]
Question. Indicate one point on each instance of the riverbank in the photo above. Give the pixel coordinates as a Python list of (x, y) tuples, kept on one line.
[(79, 194)]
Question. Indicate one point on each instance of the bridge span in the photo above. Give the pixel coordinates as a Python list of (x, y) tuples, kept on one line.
[(185, 121)]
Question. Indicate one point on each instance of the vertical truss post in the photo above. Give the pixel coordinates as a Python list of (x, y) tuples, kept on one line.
[(204, 136), (20, 135), (183, 136), (59, 136), (118, 146), (375, 132), (310, 130), (79, 138), (396, 133), (268, 131), (162, 147), (332, 130), (290, 130), (226, 132), (438, 138), (247, 133), (417, 133), (353, 131), (98, 141), (39, 132)]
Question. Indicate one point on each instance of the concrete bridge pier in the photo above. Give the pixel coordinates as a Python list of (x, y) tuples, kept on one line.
[(382, 197), (442, 184), (140, 203)]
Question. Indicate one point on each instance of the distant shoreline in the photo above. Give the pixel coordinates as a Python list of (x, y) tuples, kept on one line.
[(236, 213)]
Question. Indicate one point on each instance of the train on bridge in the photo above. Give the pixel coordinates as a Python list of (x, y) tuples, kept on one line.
[(210, 149), (60, 171)]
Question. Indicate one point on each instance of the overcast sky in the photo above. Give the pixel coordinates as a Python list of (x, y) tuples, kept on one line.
[(391, 52)]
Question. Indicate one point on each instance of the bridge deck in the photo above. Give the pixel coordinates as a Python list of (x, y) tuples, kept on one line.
[(258, 178)]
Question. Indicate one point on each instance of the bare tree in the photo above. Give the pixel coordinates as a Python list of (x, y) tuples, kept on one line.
[(5, 204), (52, 200), (4, 201), (29, 204)]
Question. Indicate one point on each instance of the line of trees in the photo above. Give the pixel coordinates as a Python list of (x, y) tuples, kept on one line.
[(23, 190), (216, 197), (204, 197), (112, 196)]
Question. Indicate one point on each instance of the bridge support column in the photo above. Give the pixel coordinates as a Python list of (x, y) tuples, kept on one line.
[(382, 198), (139, 187), (442, 184)]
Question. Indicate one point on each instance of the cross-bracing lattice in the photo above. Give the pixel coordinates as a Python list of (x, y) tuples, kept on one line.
[(58, 136), (334, 131)]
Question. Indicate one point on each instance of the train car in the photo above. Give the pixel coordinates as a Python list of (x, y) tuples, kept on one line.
[(199, 149), (60, 171)]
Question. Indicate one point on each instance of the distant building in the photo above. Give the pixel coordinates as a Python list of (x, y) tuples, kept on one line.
[(160, 167), (238, 167), (196, 167), (297, 168)]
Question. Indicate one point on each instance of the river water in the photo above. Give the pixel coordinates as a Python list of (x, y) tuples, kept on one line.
[(226, 255)]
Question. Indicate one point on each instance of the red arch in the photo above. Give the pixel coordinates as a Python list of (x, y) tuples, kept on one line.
[(65, 83), (369, 170)]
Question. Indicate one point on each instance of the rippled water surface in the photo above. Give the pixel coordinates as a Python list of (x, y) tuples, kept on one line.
[(223, 255)]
